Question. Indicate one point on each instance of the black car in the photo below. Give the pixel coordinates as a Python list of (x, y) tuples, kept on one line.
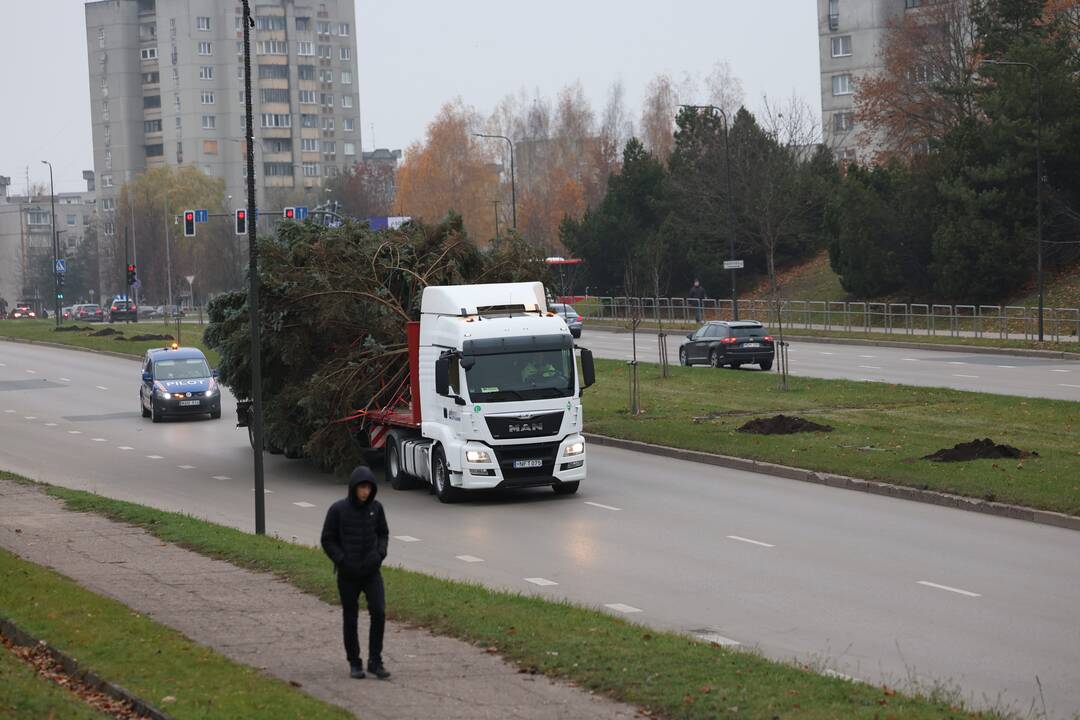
[(731, 343), (123, 310), (178, 381)]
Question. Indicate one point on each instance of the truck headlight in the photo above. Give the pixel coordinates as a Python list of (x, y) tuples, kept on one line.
[(575, 448), (477, 456)]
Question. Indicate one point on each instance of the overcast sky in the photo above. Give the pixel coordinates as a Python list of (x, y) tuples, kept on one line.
[(414, 55)]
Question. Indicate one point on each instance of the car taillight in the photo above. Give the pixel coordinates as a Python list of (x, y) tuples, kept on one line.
[(580, 319), (729, 340), (767, 338)]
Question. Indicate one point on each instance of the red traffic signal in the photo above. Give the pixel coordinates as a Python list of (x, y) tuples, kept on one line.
[(290, 213), (241, 222), (189, 223)]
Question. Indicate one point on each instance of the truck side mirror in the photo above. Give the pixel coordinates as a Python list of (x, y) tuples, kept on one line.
[(442, 376), (147, 377), (588, 370)]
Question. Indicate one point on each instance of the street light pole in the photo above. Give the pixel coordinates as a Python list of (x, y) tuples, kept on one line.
[(55, 243), (1038, 178), (730, 200), (513, 183)]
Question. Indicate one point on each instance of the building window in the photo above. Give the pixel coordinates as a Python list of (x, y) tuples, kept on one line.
[(149, 53), (346, 53), (346, 77), (326, 76), (305, 48), (330, 170), (343, 29), (309, 121), (271, 47), (305, 72), (311, 169), (921, 74), (156, 150), (151, 126), (273, 72), (843, 121), (911, 4), (207, 98), (72, 219), (326, 99), (210, 147), (151, 101), (101, 37), (147, 31), (307, 97), (325, 52), (105, 110), (841, 46), (178, 122), (110, 228), (206, 48), (328, 124), (350, 148), (151, 78), (276, 120), (278, 145), (209, 122), (842, 85), (303, 24), (275, 95), (206, 72), (323, 27), (848, 155), (202, 23), (36, 216), (106, 181), (309, 145), (329, 147), (176, 102), (270, 22), (346, 101), (108, 159), (349, 124), (108, 204), (277, 169)]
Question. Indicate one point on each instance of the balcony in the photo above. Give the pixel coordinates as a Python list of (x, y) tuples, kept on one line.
[(834, 21)]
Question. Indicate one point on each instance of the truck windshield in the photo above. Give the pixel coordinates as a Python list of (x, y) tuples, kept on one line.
[(521, 376)]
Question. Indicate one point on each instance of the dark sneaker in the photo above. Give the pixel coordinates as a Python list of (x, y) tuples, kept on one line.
[(356, 670), (379, 671)]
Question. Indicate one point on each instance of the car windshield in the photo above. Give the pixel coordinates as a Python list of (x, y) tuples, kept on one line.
[(521, 376), (186, 369)]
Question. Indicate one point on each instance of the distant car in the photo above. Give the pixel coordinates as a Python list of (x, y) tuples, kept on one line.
[(173, 311), (150, 312), (88, 312), (733, 343), (23, 311), (66, 312), (123, 310), (178, 382), (574, 321)]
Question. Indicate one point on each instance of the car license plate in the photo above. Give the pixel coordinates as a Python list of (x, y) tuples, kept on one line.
[(184, 403), (752, 345), (521, 464)]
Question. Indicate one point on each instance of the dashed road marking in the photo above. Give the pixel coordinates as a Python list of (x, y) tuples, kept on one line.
[(748, 540), (958, 591), (186, 467), (50, 424), (711, 637), (124, 447), (155, 457), (620, 607), (406, 538), (469, 558), (65, 379), (870, 367), (100, 440), (222, 477), (102, 387), (74, 432), (868, 356), (602, 506), (542, 582), (957, 362), (3, 364), (1006, 367), (30, 417), (973, 377), (912, 360), (32, 372), (1058, 370), (1068, 385), (9, 411), (303, 504), (826, 353)]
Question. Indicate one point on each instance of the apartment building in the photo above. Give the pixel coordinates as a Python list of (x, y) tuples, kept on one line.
[(851, 33), (167, 87)]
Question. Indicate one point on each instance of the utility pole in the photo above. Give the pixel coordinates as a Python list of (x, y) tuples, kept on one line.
[(496, 203), (134, 252), (256, 418), (513, 182), (55, 243), (168, 252)]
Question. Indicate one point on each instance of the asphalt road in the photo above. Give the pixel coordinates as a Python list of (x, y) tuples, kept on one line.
[(872, 587), (979, 372)]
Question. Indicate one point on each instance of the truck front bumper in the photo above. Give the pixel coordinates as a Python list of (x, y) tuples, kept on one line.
[(522, 465)]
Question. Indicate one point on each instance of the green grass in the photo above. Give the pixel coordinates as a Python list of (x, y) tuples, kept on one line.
[(45, 331), (667, 673), (881, 430), (25, 694), (148, 659)]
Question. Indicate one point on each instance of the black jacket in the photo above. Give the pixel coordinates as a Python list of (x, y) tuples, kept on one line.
[(355, 536), (697, 293)]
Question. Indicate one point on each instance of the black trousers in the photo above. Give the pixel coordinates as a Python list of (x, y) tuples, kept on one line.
[(349, 590)]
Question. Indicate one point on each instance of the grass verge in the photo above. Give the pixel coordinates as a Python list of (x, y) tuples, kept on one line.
[(148, 659), (25, 694), (45, 331), (669, 674), (881, 431)]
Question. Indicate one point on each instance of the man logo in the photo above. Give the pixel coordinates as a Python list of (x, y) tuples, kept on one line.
[(525, 427)]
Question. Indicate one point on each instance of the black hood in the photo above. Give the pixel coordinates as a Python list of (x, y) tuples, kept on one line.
[(362, 474)]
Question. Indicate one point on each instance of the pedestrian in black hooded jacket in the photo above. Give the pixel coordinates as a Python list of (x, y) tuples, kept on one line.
[(355, 537)]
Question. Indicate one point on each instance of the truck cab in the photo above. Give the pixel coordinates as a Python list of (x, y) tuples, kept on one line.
[(499, 388)]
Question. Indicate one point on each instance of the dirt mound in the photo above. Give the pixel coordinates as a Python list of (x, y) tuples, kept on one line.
[(782, 425), (105, 332), (148, 337), (71, 328), (985, 449)]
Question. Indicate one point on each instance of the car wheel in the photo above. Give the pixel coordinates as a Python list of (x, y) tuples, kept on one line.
[(683, 359), (765, 364), (566, 488), (575, 333), (145, 412), (736, 366), (440, 478), (215, 414), (399, 480), (155, 416), (714, 359)]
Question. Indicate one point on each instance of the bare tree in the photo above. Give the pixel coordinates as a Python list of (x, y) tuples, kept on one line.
[(723, 89), (658, 117)]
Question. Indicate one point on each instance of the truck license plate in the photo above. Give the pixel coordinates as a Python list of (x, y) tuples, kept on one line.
[(184, 403), (522, 464)]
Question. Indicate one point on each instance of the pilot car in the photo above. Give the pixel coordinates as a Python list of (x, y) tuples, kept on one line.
[(178, 382)]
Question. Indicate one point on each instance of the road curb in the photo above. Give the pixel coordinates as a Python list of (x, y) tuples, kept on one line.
[(71, 666), (932, 497), (62, 346)]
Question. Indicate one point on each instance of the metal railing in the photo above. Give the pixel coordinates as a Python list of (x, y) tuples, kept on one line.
[(1004, 322)]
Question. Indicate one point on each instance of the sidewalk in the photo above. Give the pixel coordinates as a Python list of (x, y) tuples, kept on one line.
[(259, 620)]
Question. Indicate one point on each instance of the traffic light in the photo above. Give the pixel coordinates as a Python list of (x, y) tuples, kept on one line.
[(131, 274), (59, 281), (241, 222), (189, 223), (290, 213)]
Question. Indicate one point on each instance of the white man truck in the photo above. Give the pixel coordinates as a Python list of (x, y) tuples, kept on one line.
[(493, 395)]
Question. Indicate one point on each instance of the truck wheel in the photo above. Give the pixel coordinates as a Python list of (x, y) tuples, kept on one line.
[(566, 488), (399, 480), (440, 478)]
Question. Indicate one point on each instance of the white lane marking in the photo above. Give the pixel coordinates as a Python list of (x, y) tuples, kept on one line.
[(102, 387), (748, 540), (124, 447), (155, 457), (711, 637), (9, 411), (602, 506), (74, 432), (620, 607), (957, 362), (958, 591), (29, 417), (50, 424), (100, 440), (469, 558), (1006, 367), (870, 367), (825, 353), (303, 504), (1058, 370), (1068, 385), (186, 467), (911, 360), (838, 675), (973, 377), (867, 356), (542, 582), (65, 379), (32, 372), (406, 538), (265, 491), (222, 477), (3, 364)]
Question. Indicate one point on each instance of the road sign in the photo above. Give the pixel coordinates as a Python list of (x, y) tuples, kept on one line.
[(733, 264), (301, 213), (202, 216), (190, 279), (137, 284), (61, 265)]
